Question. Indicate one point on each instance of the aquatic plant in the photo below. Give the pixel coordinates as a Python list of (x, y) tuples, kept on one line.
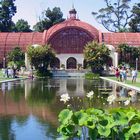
[(118, 123), (97, 124)]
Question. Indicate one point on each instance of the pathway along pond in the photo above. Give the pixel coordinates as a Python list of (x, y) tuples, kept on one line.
[(29, 109)]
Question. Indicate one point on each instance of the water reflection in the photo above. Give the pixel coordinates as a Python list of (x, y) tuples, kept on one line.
[(29, 109)]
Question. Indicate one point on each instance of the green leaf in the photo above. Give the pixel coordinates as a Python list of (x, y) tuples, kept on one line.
[(120, 118), (135, 128), (103, 131), (79, 132), (65, 116), (90, 124), (93, 133), (94, 111), (128, 136), (103, 122), (70, 129), (82, 117), (130, 115)]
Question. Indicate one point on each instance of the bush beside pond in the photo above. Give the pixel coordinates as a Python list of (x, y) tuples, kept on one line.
[(91, 76)]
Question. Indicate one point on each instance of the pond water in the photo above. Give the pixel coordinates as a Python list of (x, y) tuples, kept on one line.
[(29, 109)]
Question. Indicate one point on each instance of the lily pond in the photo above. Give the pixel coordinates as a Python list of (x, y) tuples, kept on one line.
[(29, 109)]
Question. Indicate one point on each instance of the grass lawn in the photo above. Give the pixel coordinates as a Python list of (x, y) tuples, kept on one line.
[(139, 74)]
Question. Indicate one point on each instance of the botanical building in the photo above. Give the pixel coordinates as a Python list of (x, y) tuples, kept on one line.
[(68, 40)]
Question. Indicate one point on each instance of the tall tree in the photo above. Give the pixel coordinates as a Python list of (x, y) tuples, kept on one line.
[(49, 18), (22, 26), (7, 11), (96, 56), (115, 16), (135, 21)]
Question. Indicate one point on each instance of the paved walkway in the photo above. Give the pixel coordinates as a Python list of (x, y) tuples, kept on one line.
[(11, 80), (123, 84)]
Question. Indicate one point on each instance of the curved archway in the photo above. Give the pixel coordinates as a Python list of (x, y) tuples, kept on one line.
[(71, 63), (55, 63), (70, 40), (110, 61)]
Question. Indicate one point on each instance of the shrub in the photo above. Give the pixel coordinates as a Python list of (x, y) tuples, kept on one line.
[(91, 76)]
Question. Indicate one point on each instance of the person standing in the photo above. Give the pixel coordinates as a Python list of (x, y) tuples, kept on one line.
[(134, 75), (117, 74), (121, 75), (124, 72)]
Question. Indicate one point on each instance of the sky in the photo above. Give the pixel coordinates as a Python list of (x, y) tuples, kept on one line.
[(30, 10)]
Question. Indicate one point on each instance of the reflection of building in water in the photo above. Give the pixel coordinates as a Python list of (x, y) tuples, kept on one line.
[(9, 85), (63, 86), (28, 86), (3, 87), (75, 87)]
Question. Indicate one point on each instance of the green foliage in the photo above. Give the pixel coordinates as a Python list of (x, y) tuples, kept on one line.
[(135, 21), (117, 123), (128, 54), (7, 11), (91, 76), (50, 18), (22, 26), (115, 16), (96, 56), (40, 57), (16, 57), (43, 72)]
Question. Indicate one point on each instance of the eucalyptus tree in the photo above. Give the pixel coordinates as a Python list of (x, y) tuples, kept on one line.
[(135, 21), (115, 16), (48, 19), (22, 26), (7, 11), (96, 56)]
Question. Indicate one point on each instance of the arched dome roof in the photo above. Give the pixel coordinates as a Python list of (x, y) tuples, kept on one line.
[(71, 23)]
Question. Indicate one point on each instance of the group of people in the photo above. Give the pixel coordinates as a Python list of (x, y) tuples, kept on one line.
[(122, 73), (9, 73)]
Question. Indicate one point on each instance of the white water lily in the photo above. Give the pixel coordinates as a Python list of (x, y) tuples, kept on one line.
[(65, 97), (111, 99), (90, 94), (127, 102)]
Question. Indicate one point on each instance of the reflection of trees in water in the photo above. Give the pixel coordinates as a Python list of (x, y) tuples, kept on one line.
[(16, 91), (50, 130), (40, 94), (6, 132), (21, 120)]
